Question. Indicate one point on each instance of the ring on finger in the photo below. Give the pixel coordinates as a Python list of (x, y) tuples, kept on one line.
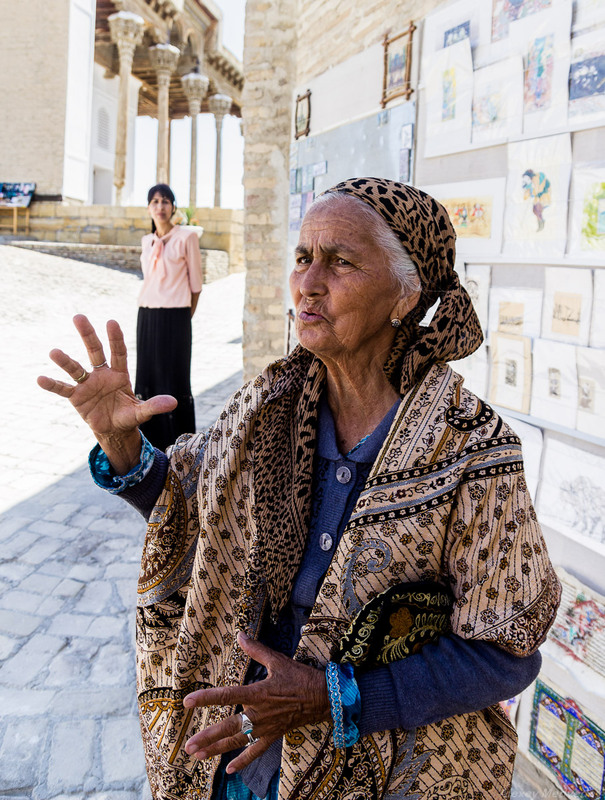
[(248, 728), (82, 377), (251, 739), (99, 366)]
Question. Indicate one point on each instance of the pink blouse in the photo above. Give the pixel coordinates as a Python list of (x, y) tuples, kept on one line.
[(172, 268)]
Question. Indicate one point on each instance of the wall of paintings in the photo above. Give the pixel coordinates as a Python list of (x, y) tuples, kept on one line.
[(512, 109)]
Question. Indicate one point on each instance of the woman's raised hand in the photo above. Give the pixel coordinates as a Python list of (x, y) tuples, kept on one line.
[(103, 397)]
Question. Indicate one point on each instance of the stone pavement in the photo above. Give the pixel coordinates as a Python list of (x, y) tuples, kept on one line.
[(69, 552)]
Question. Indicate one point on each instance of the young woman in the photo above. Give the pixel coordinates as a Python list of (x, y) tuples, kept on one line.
[(172, 281)]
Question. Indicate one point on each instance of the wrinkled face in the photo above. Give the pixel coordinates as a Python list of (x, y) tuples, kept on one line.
[(343, 291), (160, 208)]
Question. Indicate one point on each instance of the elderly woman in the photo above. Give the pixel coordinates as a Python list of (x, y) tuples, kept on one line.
[(345, 573)]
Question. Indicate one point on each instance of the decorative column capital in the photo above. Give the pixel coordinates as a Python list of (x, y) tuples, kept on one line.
[(164, 58), (126, 31), (219, 105), (195, 87)]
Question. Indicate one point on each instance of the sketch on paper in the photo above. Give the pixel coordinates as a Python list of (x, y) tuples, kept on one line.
[(537, 189), (510, 379), (587, 78), (572, 492), (554, 391), (538, 74), (477, 283), (506, 11), (591, 391), (566, 313), (515, 310)]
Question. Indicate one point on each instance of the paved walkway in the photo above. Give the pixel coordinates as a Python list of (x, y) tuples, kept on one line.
[(69, 551)]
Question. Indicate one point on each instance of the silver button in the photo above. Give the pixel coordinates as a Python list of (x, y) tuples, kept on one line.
[(325, 541), (343, 474)]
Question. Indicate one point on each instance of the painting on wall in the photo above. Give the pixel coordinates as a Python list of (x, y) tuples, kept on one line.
[(515, 310), (554, 389), (477, 281), (588, 212), (587, 80), (506, 11), (449, 96), (536, 196), (476, 209), (302, 115), (498, 101), (510, 378), (572, 493), (591, 391), (567, 305), (570, 745), (397, 65)]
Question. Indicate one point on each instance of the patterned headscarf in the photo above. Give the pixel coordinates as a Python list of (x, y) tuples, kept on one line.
[(286, 430), (423, 227)]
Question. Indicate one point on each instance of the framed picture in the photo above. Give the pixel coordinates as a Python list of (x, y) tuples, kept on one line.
[(302, 115), (397, 65)]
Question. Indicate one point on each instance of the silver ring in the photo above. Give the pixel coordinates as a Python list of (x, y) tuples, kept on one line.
[(247, 729), (99, 366)]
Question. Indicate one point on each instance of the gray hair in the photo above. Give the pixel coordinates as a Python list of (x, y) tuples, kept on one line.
[(397, 258)]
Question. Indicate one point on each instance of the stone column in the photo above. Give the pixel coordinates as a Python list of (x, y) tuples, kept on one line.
[(164, 58), (219, 105), (195, 87), (127, 32)]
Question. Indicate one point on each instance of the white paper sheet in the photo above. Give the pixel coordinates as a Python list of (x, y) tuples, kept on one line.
[(510, 373), (498, 101), (567, 305), (588, 212), (554, 389), (447, 26), (478, 281), (476, 209), (531, 442), (449, 97), (536, 196), (597, 323), (591, 391), (572, 493), (474, 369), (515, 310), (587, 80), (587, 13)]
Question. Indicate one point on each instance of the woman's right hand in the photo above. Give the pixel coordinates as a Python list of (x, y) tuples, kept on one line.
[(104, 399)]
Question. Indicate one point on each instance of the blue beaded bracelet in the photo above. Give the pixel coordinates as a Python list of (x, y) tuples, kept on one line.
[(345, 703)]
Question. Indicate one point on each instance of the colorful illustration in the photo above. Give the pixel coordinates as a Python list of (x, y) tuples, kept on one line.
[(471, 216), (396, 65), (453, 35), (536, 187), (579, 626), (488, 107), (593, 216), (448, 103), (538, 74), (506, 11)]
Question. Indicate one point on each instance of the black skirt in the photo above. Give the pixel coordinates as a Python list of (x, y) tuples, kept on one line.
[(164, 367)]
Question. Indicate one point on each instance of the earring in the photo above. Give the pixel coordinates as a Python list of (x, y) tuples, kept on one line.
[(396, 323)]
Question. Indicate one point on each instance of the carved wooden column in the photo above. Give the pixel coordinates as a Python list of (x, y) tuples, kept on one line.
[(219, 105), (127, 32), (164, 58), (195, 87)]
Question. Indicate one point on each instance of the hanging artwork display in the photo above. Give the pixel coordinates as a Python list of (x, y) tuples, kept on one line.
[(449, 97), (542, 39), (498, 101), (465, 19), (476, 209), (597, 323), (531, 442), (510, 378), (579, 628), (515, 310), (569, 744), (477, 281), (536, 196), (572, 493), (397, 65), (474, 369), (506, 11), (554, 389), (591, 391), (587, 80), (588, 211), (567, 305)]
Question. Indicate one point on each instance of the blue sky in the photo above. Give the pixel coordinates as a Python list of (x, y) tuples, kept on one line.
[(232, 193)]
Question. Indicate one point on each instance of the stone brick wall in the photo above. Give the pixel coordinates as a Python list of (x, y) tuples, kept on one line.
[(109, 225), (33, 86), (270, 69)]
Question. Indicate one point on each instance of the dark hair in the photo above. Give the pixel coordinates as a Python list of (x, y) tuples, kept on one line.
[(164, 191)]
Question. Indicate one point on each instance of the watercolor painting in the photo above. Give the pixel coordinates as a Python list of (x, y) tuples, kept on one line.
[(457, 33), (498, 101), (448, 103), (587, 79), (579, 628), (536, 189), (588, 212), (471, 216), (506, 11), (538, 74)]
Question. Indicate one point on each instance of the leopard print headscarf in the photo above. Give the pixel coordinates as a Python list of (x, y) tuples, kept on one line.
[(285, 434)]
